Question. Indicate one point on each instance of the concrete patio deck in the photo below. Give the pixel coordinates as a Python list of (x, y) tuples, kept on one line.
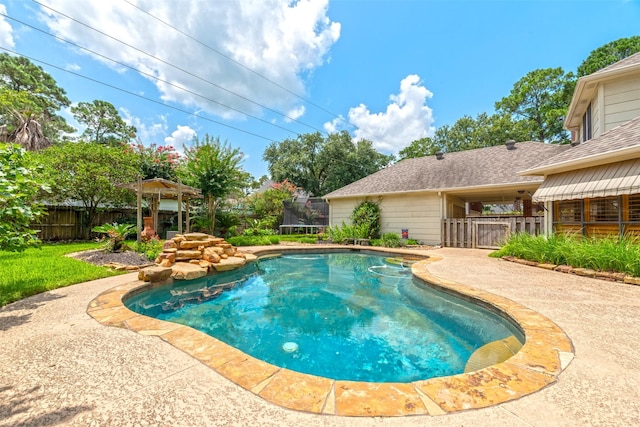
[(58, 366)]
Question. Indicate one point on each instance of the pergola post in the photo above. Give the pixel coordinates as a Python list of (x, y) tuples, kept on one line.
[(187, 203), (139, 207)]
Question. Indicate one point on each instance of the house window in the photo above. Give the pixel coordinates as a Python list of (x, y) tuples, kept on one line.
[(570, 211), (586, 125), (634, 208), (604, 209)]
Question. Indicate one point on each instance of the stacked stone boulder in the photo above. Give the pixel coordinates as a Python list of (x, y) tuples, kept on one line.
[(193, 255)]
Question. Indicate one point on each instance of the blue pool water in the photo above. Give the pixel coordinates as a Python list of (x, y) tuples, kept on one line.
[(346, 316)]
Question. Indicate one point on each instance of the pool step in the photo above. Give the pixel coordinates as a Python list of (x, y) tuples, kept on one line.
[(493, 353)]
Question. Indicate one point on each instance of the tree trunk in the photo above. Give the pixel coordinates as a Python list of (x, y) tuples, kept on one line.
[(29, 135), (211, 210)]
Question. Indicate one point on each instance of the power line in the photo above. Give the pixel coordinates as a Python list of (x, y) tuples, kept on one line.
[(137, 95), (247, 68), (157, 102), (179, 68), (145, 73), (234, 61)]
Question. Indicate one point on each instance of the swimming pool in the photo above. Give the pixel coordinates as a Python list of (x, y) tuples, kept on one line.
[(345, 316)]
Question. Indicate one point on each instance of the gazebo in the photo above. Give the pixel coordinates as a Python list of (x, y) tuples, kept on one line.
[(157, 189)]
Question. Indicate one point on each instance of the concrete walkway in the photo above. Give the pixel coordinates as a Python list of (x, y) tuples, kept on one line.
[(58, 366)]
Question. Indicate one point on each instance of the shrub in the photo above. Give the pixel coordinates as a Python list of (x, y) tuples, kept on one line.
[(151, 248), (603, 254), (274, 239), (341, 233), (366, 217), (250, 240), (307, 240), (258, 228), (391, 240)]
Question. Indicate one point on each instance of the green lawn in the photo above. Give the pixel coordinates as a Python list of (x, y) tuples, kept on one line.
[(42, 269)]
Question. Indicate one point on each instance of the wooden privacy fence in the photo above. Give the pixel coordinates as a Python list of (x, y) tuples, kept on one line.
[(65, 223), (486, 232)]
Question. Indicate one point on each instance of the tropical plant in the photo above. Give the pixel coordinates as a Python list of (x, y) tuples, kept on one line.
[(19, 187), (115, 235), (32, 121)]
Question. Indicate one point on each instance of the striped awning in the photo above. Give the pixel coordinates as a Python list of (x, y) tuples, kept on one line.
[(612, 179)]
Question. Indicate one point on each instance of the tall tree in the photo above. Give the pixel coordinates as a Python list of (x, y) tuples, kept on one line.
[(268, 205), (320, 165), (156, 161), (541, 98), (608, 54), (104, 124), (19, 188), (20, 75), (91, 174), (19, 120), (216, 169), (419, 148), (468, 133)]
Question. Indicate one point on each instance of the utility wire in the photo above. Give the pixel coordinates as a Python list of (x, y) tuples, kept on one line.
[(179, 68), (137, 95), (145, 73), (157, 102), (246, 67), (234, 61)]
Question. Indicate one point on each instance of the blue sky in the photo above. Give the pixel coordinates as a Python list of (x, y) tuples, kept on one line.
[(388, 71)]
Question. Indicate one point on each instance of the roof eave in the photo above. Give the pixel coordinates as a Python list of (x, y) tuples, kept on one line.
[(443, 190), (585, 87), (585, 162)]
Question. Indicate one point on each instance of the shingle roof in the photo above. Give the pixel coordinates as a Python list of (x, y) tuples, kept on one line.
[(623, 63), (464, 169), (621, 137)]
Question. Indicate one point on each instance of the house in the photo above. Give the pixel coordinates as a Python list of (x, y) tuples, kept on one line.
[(593, 188), (420, 194)]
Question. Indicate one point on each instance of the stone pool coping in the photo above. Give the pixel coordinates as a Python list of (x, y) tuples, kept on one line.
[(545, 354)]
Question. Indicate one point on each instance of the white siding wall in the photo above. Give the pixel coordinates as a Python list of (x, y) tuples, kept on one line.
[(420, 214), (622, 102), (341, 209), (595, 117)]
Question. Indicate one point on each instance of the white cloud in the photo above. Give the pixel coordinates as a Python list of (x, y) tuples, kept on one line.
[(280, 39), (148, 131), (335, 125), (180, 137), (294, 114), (6, 31), (72, 67), (406, 119)]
